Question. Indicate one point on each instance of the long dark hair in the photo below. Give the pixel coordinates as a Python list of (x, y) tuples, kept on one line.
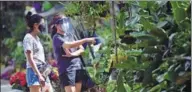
[(32, 19)]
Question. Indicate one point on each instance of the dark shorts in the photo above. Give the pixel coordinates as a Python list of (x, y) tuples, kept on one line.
[(72, 77)]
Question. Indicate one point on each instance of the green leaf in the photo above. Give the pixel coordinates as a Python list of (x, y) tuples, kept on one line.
[(158, 87), (159, 32), (160, 78), (111, 85), (134, 52), (137, 34), (167, 76), (143, 4), (127, 87), (146, 23), (186, 24), (161, 24), (91, 71), (148, 39), (107, 69), (178, 12), (151, 50), (120, 83), (143, 90), (128, 64), (132, 21), (145, 37)]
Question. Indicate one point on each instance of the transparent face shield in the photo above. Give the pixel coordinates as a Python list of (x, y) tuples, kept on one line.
[(67, 28), (65, 25)]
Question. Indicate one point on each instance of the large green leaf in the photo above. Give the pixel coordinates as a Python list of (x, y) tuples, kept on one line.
[(168, 75), (159, 32), (127, 87), (133, 20), (146, 39), (111, 85), (121, 19), (120, 83), (178, 12), (146, 23)]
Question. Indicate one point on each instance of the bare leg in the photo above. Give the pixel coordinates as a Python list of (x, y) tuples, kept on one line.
[(35, 89), (70, 89), (78, 86), (48, 88)]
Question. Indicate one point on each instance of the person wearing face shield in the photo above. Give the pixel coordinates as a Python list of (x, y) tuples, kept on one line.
[(67, 52), (34, 54)]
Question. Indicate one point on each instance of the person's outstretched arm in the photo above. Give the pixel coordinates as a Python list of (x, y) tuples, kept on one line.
[(78, 43)]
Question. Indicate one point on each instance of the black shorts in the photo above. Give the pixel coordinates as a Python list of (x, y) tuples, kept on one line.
[(72, 77)]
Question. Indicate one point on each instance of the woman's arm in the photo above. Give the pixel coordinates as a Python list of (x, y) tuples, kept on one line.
[(34, 67), (78, 43), (32, 63)]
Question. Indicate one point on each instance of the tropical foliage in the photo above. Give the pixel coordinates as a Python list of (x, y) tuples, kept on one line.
[(153, 44), (153, 47)]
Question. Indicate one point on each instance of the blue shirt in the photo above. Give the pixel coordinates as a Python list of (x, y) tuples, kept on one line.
[(65, 63)]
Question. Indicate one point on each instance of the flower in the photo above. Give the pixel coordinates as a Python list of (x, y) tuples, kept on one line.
[(54, 74), (12, 79), (54, 77), (23, 83), (19, 78)]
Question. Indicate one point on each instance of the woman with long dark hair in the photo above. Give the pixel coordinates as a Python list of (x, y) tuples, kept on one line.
[(67, 53), (34, 53)]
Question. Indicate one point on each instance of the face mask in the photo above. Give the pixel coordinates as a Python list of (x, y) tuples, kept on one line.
[(41, 28)]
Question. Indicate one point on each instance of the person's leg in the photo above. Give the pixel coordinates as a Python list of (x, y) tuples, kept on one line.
[(67, 81), (80, 76), (35, 89), (78, 86), (48, 87), (70, 89)]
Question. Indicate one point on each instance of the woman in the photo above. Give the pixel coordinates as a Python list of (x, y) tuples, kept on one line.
[(67, 52), (34, 53)]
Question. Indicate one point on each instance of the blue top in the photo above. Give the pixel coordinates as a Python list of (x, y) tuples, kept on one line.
[(65, 63)]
